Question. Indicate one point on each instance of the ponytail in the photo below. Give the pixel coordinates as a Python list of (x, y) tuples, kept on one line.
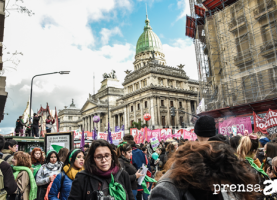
[(246, 146)]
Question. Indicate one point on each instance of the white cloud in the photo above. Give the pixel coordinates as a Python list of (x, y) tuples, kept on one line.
[(184, 6), (106, 34), (181, 53)]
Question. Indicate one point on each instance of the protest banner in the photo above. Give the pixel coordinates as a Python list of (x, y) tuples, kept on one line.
[(236, 124), (266, 125), (166, 133), (154, 143), (178, 134)]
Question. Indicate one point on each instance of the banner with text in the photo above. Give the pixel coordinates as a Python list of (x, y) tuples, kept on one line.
[(236, 125), (266, 125)]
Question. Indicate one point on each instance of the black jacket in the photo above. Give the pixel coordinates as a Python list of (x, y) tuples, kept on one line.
[(128, 167), (19, 124), (36, 121), (10, 184), (84, 184)]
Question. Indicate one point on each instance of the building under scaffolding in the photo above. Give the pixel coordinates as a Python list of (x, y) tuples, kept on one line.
[(235, 44)]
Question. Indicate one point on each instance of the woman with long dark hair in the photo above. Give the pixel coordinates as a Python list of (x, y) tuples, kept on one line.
[(198, 171), (73, 164), (37, 160), (270, 151), (47, 172), (102, 175)]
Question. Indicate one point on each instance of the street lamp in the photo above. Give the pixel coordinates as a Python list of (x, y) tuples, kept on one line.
[(60, 72)]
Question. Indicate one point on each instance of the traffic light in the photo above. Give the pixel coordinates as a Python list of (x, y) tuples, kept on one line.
[(172, 112)]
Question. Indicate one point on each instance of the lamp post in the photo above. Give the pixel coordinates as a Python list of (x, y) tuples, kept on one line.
[(61, 72)]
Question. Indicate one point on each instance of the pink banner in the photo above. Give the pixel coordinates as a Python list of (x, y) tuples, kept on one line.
[(238, 124), (178, 134)]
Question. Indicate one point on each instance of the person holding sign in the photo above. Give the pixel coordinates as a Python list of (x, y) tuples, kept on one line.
[(124, 154)]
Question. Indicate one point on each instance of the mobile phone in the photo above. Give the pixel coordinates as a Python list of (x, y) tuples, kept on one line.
[(140, 170)]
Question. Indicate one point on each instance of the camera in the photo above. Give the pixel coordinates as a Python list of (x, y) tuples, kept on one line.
[(100, 196)]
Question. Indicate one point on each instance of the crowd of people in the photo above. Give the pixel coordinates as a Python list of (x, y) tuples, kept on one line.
[(214, 167), (32, 129)]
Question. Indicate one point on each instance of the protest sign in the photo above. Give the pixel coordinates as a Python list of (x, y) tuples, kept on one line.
[(240, 124), (154, 143), (266, 125), (64, 139)]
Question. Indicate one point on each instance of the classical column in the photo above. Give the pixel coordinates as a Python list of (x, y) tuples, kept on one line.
[(83, 127), (152, 113), (134, 110), (141, 110), (126, 118), (186, 110), (177, 112), (89, 123), (118, 120), (195, 106), (159, 113), (156, 111), (168, 111), (99, 124), (189, 111)]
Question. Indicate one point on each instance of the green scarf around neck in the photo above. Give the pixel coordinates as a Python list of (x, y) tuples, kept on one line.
[(36, 168), (116, 190), (33, 185), (251, 162)]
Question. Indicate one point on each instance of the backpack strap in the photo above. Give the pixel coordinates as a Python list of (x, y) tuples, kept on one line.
[(118, 174), (7, 157)]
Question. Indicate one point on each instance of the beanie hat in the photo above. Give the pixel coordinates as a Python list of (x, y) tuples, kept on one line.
[(205, 126), (264, 140), (220, 138)]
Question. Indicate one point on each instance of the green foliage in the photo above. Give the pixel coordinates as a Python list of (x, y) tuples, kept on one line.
[(137, 125)]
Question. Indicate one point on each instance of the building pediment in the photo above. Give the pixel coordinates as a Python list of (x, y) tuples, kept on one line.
[(88, 105)]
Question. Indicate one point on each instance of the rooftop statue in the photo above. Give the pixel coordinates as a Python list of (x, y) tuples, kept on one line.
[(127, 71), (180, 66), (110, 75)]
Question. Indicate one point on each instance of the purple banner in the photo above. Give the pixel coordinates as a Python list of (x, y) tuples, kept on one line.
[(240, 124)]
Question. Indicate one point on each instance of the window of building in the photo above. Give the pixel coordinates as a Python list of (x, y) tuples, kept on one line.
[(69, 117), (171, 104), (172, 121), (163, 120), (178, 84), (162, 102), (139, 120), (180, 104), (145, 104), (100, 121), (192, 107), (131, 108), (132, 122), (181, 120), (137, 86), (138, 106), (161, 81), (69, 128)]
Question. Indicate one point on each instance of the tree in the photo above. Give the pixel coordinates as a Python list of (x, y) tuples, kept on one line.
[(138, 125)]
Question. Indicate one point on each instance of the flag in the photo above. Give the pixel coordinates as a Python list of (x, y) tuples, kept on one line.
[(82, 140), (110, 139), (94, 134), (116, 128), (57, 148)]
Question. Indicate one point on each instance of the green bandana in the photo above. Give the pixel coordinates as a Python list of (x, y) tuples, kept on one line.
[(50, 152), (33, 185), (121, 144), (144, 185), (70, 156), (251, 162), (116, 190), (36, 168)]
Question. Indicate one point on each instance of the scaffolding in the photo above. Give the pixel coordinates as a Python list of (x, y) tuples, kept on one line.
[(235, 45)]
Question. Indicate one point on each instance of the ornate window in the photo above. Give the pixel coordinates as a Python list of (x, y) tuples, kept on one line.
[(69, 117), (138, 106), (162, 102), (145, 104), (131, 108), (180, 104)]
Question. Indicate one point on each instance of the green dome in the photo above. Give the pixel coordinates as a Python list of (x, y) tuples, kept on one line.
[(148, 41)]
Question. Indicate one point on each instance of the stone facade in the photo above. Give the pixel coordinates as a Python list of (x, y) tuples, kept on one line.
[(151, 88)]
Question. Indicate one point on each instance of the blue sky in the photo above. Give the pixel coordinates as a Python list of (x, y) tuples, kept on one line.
[(87, 37)]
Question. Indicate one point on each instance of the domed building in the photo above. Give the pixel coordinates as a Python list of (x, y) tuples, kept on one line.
[(153, 87), (148, 42)]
